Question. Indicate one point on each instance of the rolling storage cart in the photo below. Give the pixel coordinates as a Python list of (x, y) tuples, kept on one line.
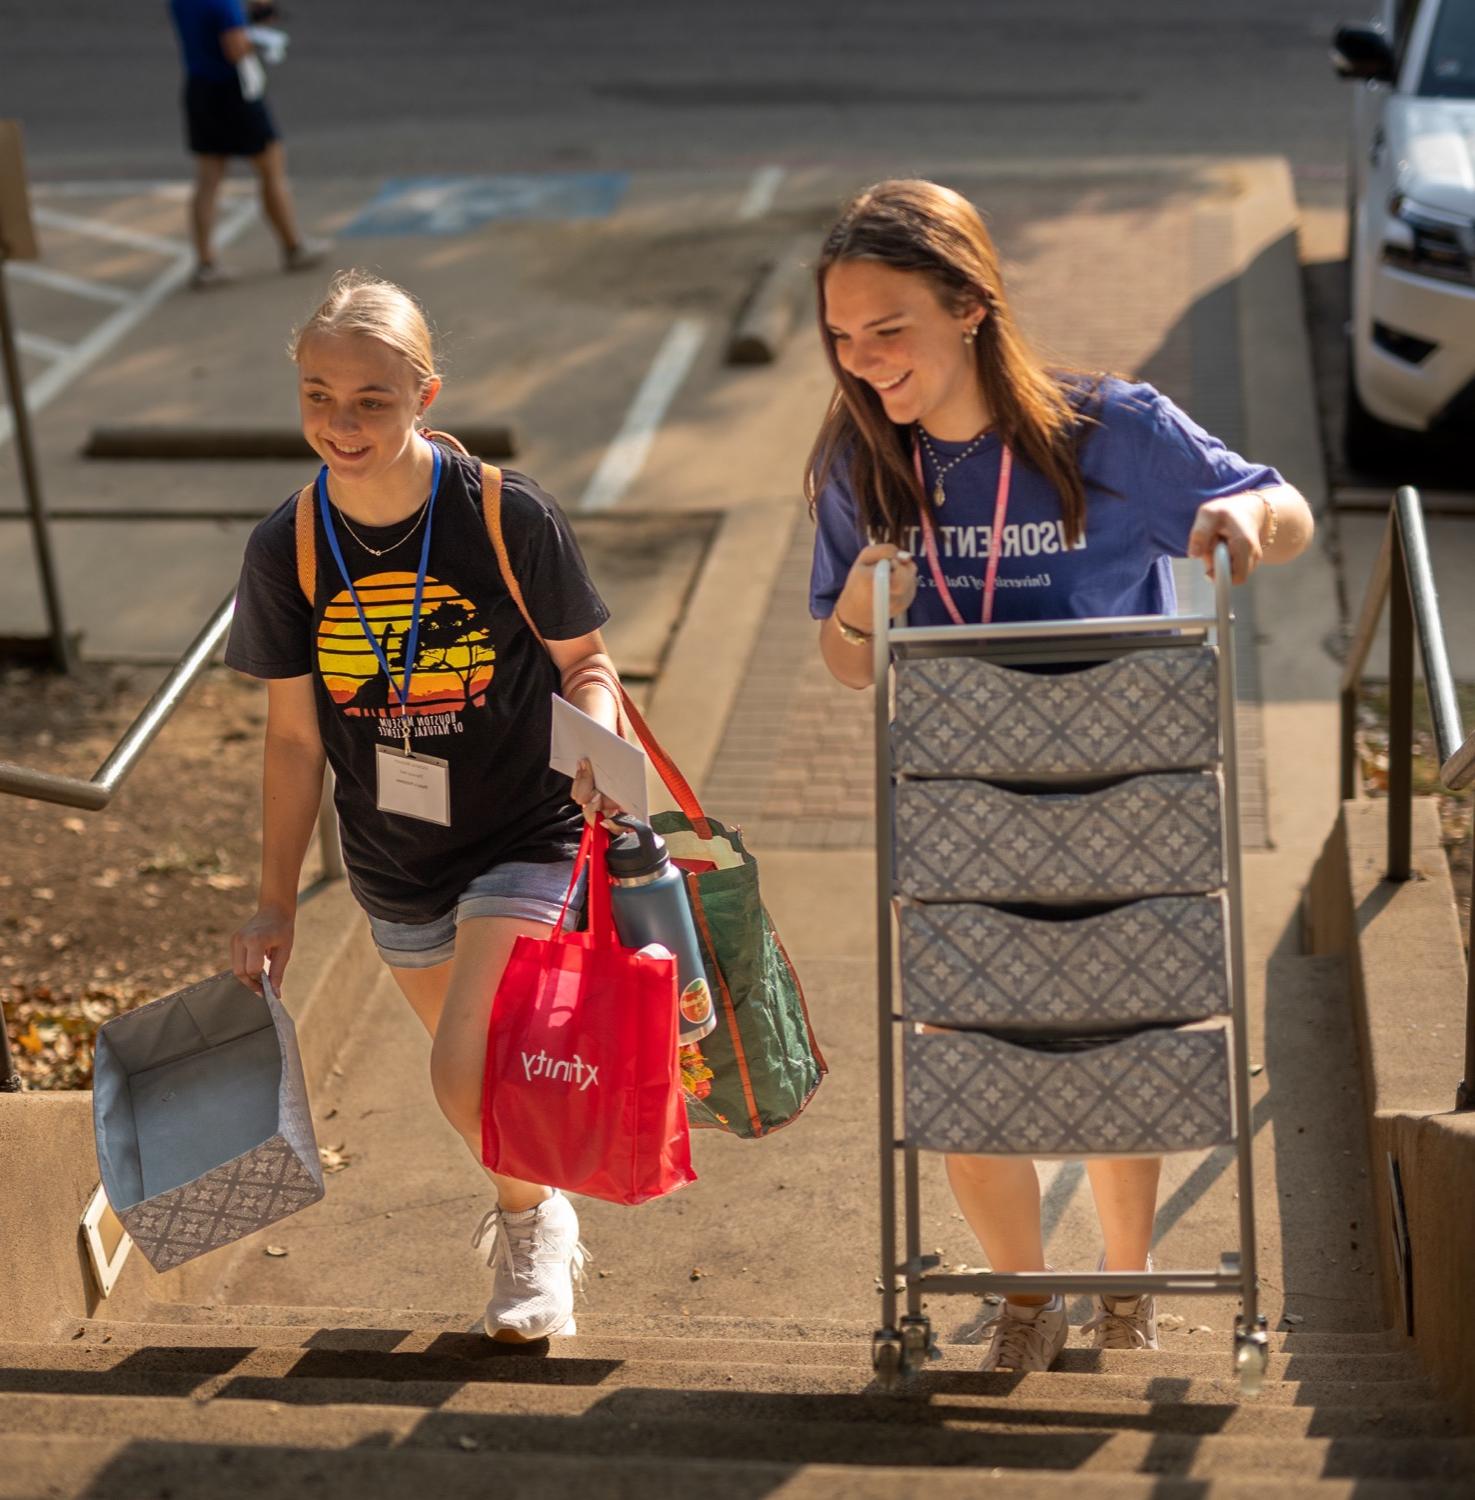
[(1060, 932)]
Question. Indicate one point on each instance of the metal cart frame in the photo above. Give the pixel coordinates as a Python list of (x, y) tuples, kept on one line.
[(904, 1344)]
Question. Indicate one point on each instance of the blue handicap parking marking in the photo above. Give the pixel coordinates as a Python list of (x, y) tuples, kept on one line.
[(453, 205)]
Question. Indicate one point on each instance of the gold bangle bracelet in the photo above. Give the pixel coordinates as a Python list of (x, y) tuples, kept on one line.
[(850, 633), (1269, 541)]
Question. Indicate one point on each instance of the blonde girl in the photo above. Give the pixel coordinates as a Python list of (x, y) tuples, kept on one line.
[(412, 673)]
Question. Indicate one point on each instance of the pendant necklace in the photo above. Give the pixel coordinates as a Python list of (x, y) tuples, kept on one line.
[(398, 542), (942, 470)]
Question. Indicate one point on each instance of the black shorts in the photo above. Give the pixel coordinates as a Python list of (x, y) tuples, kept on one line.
[(222, 123)]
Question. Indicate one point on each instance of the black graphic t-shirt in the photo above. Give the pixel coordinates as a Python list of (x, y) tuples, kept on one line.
[(480, 685)]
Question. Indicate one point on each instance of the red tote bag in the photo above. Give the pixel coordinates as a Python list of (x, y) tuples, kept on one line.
[(582, 1087)]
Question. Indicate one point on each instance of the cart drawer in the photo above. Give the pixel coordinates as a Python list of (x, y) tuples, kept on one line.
[(1146, 836), (1154, 710), (1153, 963), (1153, 1092)]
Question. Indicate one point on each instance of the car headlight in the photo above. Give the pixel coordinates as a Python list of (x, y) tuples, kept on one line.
[(1428, 241)]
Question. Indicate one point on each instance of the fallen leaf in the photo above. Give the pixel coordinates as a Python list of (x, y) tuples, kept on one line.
[(1169, 1320), (43, 893), (1294, 1318), (697, 1273), (1256, 1069), (225, 882), (467, 1443), (332, 1158), (276, 1250), (74, 825)]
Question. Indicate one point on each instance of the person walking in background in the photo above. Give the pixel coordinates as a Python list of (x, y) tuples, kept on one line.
[(943, 421), (226, 116), (394, 652)]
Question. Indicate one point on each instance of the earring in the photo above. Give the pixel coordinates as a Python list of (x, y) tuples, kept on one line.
[(969, 334)]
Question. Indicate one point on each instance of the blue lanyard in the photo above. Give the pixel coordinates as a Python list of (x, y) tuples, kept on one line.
[(325, 510)]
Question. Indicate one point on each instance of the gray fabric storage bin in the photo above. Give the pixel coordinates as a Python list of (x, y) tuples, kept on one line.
[(204, 1133), (1156, 962), (1141, 1095), (1153, 710), (1145, 836)]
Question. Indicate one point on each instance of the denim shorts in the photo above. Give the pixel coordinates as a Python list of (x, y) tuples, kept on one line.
[(529, 892)]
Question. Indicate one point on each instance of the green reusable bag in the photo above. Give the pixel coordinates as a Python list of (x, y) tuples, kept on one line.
[(764, 1059)]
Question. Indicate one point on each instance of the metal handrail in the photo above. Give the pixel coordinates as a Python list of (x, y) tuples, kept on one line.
[(1403, 579), (97, 791)]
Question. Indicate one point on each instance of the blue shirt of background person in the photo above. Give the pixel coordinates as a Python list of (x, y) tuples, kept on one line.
[(199, 24), (1147, 468)]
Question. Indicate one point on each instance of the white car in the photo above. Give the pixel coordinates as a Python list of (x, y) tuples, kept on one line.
[(1412, 235)]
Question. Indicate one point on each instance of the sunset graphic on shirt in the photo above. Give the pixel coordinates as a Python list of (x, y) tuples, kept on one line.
[(453, 658)]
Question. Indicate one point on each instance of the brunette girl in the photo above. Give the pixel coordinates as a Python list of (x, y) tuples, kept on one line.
[(941, 417)]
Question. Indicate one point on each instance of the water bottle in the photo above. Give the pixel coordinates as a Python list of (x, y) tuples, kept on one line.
[(648, 895)]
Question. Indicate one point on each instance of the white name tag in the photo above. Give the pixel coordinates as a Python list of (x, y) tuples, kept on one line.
[(414, 786)]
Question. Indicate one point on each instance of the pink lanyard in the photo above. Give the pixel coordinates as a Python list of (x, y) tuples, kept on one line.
[(929, 536)]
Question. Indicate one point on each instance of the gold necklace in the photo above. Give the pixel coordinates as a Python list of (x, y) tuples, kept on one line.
[(399, 542), (939, 495)]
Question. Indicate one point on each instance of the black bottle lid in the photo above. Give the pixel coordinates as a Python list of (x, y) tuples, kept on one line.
[(640, 850)]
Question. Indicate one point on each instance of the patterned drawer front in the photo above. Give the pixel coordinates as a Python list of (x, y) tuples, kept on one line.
[(1148, 836), (1152, 963), (966, 716), (1154, 1092)]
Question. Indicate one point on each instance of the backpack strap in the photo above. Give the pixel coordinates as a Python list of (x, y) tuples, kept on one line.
[(307, 544), (491, 512), (631, 718)]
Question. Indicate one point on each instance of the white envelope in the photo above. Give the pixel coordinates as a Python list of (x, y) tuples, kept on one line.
[(619, 767)]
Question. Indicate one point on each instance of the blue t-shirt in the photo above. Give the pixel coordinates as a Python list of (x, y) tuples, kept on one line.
[(1147, 468), (199, 24)]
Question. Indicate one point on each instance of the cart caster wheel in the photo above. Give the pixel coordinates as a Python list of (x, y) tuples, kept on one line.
[(917, 1341), (888, 1359), (1251, 1359)]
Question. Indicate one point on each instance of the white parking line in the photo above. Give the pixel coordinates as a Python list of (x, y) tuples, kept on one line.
[(626, 455), (100, 229), (41, 346), (78, 286), (172, 187), (761, 192), (50, 383)]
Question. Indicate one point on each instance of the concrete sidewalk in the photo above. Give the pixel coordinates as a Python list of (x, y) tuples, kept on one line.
[(786, 1227)]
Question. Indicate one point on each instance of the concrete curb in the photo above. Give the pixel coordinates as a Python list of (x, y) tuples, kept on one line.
[(1406, 963), (704, 666), (772, 308)]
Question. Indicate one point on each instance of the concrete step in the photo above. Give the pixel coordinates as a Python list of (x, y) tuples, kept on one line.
[(733, 1443), (237, 1416), (323, 1377), (64, 1468), (418, 1345), (689, 1327)]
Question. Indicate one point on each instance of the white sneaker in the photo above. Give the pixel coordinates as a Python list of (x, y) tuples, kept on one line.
[(536, 1256), (1125, 1322), (1026, 1338), (205, 276), (306, 254)]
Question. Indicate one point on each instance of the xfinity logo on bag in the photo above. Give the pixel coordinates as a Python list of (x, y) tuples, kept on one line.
[(540, 1065)]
